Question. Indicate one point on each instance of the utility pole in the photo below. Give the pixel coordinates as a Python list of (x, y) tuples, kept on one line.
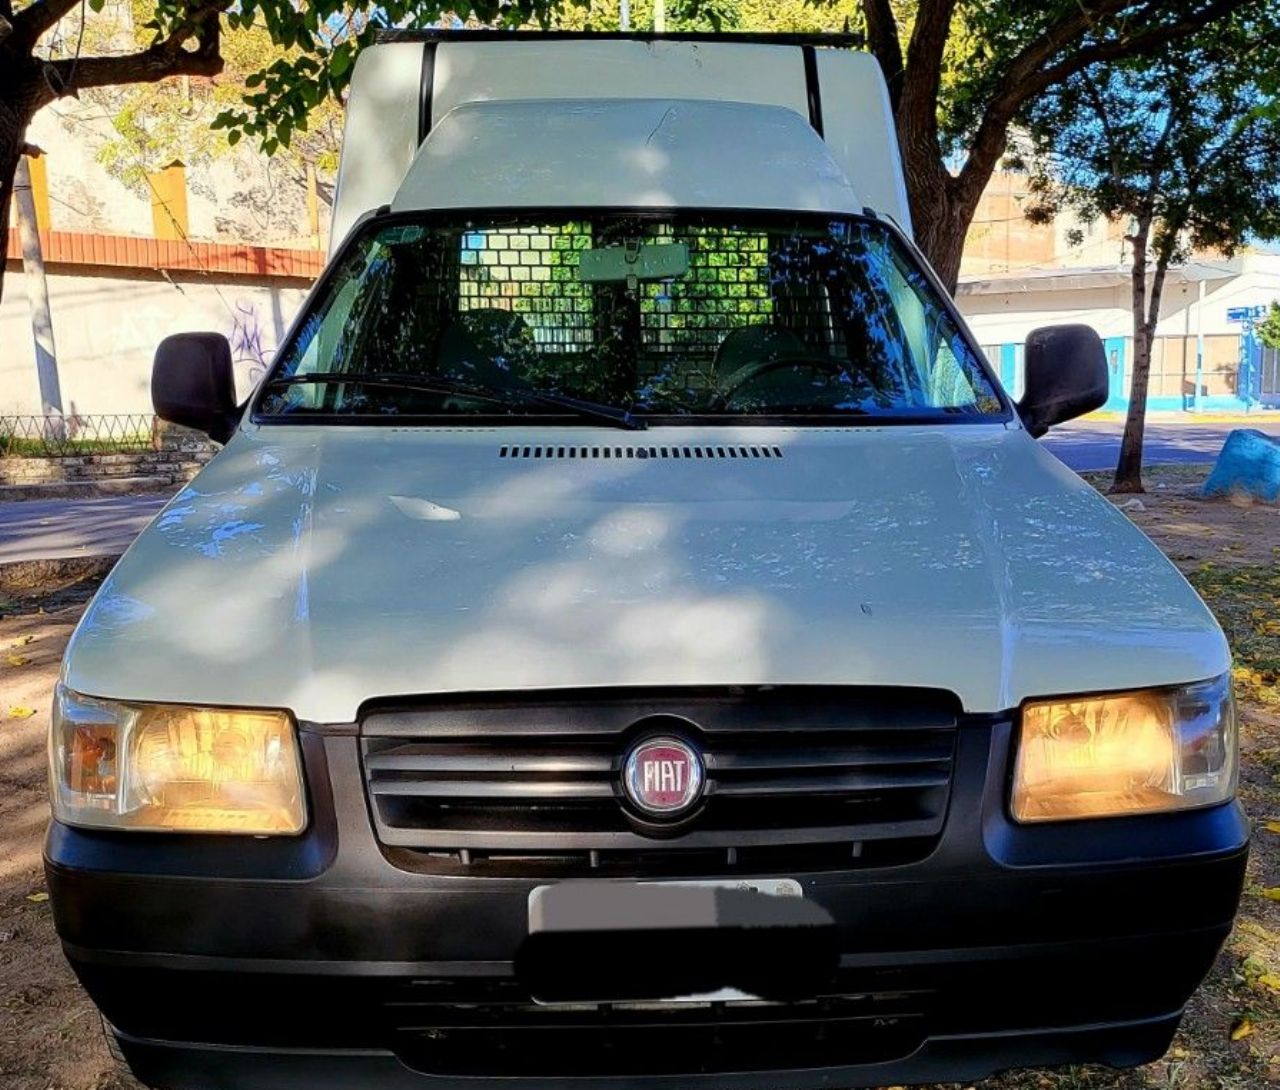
[(1195, 400), (624, 15), (660, 16), (37, 290), (313, 205)]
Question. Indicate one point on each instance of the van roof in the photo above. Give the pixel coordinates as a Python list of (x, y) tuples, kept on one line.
[(624, 153), (406, 86)]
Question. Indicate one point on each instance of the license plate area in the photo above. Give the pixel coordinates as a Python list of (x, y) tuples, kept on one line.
[(772, 887), (675, 942)]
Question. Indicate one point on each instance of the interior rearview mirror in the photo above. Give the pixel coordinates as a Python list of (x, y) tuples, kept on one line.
[(1065, 376), (634, 261), (193, 384)]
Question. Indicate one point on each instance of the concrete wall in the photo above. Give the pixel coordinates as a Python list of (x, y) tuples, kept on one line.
[(107, 323)]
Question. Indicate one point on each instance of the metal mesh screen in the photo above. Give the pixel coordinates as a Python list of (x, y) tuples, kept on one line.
[(727, 286), (533, 272), (735, 279)]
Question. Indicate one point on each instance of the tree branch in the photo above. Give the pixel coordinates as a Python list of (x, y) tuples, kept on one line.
[(1024, 78), (926, 48), (1103, 115), (168, 57), (917, 109), (1119, 48), (882, 38), (36, 19)]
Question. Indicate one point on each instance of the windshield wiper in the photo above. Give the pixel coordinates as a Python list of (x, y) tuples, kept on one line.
[(591, 410)]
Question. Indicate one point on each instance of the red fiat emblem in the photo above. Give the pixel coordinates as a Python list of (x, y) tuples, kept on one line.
[(662, 776)]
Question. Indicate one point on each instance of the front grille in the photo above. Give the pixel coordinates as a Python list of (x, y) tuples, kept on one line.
[(804, 778)]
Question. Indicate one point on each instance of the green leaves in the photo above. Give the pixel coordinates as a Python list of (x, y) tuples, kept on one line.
[(339, 61), (1269, 328), (1175, 143)]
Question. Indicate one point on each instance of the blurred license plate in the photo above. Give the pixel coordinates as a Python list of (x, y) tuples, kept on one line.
[(772, 887)]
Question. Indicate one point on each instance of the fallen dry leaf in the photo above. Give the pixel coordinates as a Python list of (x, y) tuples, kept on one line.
[(37, 898), (1241, 1029), (1272, 826), (20, 712), (1270, 980), (17, 660)]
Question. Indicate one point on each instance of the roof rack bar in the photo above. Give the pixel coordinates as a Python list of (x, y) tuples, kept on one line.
[(835, 40)]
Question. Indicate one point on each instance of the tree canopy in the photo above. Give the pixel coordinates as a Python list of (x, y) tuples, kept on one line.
[(959, 71), (1183, 148)]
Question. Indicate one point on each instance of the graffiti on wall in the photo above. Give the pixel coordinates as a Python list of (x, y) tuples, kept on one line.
[(250, 355)]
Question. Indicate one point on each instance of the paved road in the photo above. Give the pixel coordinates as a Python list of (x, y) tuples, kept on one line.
[(50, 529), (1089, 444), (54, 529)]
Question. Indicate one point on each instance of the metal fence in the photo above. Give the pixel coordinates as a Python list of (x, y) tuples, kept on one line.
[(57, 436), (1269, 376)]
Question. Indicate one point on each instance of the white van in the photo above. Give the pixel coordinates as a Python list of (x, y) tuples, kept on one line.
[(630, 640)]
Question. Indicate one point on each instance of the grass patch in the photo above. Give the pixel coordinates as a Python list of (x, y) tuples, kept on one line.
[(13, 447)]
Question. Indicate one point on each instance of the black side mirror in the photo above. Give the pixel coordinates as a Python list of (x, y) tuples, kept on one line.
[(193, 384), (1065, 376)]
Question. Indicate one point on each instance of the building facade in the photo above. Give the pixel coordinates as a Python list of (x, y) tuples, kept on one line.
[(1206, 356)]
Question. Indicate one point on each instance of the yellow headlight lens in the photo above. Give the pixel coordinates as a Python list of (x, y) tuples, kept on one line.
[(1126, 753), (169, 768)]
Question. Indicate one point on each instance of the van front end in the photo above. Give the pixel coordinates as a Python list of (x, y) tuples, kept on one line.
[(638, 644), (380, 946)]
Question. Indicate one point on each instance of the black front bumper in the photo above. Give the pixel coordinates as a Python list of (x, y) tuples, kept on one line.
[(326, 961)]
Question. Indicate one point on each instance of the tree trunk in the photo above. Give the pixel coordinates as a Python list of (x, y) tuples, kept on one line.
[(19, 100), (940, 226), (1128, 476), (10, 152), (940, 209)]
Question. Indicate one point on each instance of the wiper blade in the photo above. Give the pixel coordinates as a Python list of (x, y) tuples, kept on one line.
[(609, 414), (391, 381)]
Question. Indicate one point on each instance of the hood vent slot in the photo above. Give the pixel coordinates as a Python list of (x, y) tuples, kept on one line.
[(593, 453)]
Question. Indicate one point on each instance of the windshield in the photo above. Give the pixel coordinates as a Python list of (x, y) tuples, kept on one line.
[(624, 317)]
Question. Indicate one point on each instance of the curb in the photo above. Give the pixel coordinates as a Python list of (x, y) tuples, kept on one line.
[(1188, 418), (18, 576), (105, 488)]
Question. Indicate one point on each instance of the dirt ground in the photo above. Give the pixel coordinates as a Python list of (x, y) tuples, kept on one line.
[(1230, 1040)]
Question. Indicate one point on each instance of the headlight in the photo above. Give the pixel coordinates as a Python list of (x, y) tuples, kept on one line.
[(169, 768), (1126, 753)]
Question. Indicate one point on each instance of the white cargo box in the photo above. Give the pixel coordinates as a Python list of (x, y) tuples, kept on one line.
[(561, 120)]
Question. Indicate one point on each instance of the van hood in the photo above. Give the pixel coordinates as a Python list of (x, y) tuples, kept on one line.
[(314, 568)]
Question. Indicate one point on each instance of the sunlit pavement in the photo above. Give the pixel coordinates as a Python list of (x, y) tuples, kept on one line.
[(57, 529), (1095, 444)]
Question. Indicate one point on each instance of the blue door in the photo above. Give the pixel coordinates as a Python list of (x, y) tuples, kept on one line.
[(1118, 397)]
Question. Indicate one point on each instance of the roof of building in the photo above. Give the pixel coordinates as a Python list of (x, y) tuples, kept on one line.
[(1081, 278)]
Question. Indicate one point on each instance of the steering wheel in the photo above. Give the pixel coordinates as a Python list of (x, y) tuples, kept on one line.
[(752, 371)]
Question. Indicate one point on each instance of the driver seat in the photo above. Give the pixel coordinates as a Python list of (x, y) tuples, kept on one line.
[(750, 345), (488, 346)]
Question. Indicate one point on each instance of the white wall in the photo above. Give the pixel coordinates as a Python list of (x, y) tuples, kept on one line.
[(1006, 317), (107, 326)]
